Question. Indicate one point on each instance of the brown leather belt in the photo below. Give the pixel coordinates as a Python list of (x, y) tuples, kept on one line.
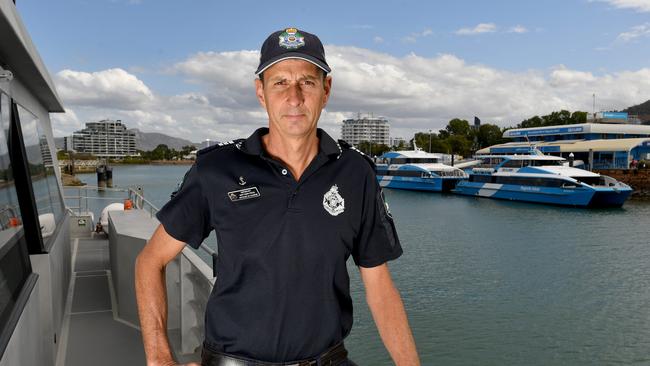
[(335, 356)]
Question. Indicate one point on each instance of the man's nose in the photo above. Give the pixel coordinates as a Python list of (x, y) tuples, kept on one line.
[(294, 94)]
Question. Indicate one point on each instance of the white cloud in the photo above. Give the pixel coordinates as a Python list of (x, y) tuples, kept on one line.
[(113, 88), (378, 39), (413, 37), (479, 29), (638, 5), (518, 29), (415, 93), (638, 31)]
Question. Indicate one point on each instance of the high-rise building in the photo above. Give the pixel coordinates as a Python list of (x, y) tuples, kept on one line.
[(369, 128), (396, 141), (106, 138)]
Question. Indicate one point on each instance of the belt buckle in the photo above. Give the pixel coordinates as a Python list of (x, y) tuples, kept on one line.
[(305, 363)]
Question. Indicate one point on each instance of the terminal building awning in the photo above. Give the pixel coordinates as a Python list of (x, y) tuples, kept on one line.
[(568, 146)]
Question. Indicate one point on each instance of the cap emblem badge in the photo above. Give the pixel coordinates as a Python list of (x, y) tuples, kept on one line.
[(291, 39), (333, 203)]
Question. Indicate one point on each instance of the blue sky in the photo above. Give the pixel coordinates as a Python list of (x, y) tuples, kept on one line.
[(558, 47)]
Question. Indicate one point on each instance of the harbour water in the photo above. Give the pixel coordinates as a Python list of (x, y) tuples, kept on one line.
[(489, 282)]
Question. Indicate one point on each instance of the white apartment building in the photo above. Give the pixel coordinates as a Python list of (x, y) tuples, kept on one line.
[(369, 128), (106, 138)]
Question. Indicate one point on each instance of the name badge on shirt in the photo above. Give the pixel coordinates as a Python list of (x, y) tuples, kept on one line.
[(244, 194)]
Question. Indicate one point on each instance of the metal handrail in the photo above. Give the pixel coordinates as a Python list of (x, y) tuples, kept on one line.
[(139, 202)]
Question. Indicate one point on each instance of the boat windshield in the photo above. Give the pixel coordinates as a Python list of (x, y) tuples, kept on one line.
[(490, 162), (412, 160), (532, 162), (592, 181)]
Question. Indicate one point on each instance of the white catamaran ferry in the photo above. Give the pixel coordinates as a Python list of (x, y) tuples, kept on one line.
[(542, 179), (417, 170)]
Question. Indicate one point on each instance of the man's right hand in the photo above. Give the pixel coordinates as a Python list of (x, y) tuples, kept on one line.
[(151, 293)]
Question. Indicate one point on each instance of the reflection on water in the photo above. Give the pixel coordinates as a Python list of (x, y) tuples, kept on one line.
[(490, 282)]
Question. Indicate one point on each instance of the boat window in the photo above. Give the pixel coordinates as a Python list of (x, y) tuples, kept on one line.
[(15, 268), (530, 181), (41, 169), (481, 178), (512, 164), (10, 217), (490, 162), (592, 181), (402, 173), (413, 160), (545, 162)]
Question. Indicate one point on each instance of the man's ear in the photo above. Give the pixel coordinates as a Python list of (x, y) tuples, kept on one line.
[(327, 85), (259, 92)]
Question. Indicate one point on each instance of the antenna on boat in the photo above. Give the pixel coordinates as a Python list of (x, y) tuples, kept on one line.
[(415, 147), (533, 149)]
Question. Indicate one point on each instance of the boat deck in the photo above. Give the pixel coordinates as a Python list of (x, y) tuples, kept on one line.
[(92, 334)]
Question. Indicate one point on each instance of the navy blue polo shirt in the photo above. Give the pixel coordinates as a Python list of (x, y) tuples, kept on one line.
[(282, 289)]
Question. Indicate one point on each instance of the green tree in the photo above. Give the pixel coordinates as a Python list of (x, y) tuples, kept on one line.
[(372, 149), (62, 155), (535, 121), (488, 135), (459, 145), (458, 127), (161, 152), (579, 117), (185, 150)]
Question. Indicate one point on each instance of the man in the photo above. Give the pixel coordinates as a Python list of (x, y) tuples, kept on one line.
[(289, 206)]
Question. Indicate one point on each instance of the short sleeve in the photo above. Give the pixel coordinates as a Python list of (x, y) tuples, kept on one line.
[(186, 217), (377, 241)]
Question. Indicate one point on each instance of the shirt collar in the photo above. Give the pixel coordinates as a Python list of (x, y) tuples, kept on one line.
[(327, 145)]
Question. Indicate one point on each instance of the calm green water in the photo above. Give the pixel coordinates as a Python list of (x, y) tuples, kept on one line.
[(491, 282)]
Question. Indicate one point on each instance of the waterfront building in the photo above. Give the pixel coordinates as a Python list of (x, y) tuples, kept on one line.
[(604, 145), (613, 117), (396, 141), (207, 143), (67, 143), (106, 138), (368, 128)]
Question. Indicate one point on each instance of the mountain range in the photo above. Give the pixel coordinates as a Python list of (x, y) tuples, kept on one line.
[(642, 110), (148, 141)]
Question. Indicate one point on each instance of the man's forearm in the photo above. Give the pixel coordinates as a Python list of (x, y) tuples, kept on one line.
[(390, 317), (151, 293)]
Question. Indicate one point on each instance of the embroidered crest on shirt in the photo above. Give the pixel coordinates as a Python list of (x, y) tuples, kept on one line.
[(333, 203)]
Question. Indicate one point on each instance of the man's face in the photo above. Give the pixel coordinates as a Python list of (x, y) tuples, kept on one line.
[(293, 93)]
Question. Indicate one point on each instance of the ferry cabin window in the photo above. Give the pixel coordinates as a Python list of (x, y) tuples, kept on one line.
[(481, 178), (531, 181), (41, 169), (544, 162), (14, 260), (10, 217), (490, 162), (413, 160), (403, 173), (512, 164)]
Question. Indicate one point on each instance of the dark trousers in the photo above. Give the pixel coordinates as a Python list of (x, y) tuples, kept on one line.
[(211, 358)]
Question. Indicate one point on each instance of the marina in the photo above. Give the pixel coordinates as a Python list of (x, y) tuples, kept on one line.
[(539, 178), (532, 284), (417, 170), (484, 282)]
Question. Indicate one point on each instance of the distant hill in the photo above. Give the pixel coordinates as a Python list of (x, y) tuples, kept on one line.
[(642, 110), (148, 141)]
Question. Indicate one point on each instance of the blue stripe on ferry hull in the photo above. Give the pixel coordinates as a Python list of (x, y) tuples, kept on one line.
[(417, 184), (579, 197)]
